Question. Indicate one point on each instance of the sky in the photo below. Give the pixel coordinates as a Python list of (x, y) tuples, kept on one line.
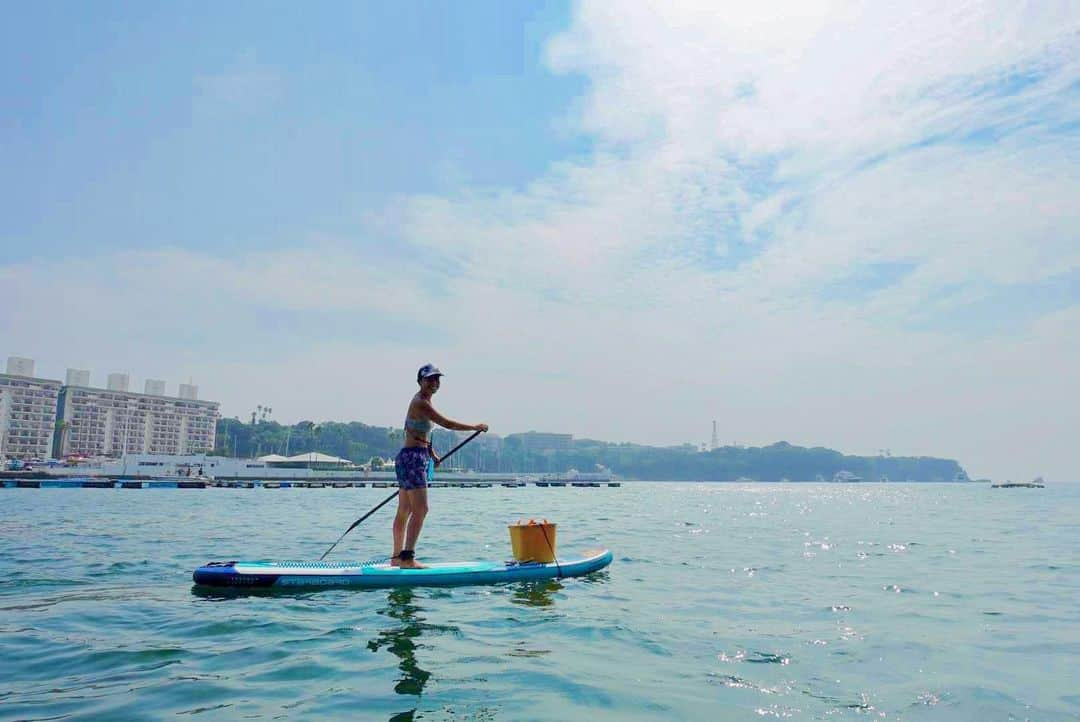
[(846, 224)]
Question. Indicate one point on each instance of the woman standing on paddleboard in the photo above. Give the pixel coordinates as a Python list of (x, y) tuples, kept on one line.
[(415, 464)]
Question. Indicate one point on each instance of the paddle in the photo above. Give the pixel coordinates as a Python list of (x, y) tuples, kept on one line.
[(390, 498)]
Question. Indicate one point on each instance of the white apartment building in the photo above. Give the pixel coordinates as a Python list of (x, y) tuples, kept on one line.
[(538, 441), (112, 422), (27, 412)]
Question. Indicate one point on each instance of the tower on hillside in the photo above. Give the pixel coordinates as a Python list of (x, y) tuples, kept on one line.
[(715, 444)]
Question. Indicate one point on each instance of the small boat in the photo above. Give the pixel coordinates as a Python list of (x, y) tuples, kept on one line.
[(1036, 483)]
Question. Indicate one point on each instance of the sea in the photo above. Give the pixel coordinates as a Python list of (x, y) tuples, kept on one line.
[(724, 602)]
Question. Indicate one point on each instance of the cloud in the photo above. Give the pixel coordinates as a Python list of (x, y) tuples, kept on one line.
[(827, 77)]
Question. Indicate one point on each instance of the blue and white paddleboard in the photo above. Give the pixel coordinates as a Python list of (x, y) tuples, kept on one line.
[(376, 575)]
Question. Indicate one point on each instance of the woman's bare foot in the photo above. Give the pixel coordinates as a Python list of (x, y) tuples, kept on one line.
[(411, 564), (395, 561)]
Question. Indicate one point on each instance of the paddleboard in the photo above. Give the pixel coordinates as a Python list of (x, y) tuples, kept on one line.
[(371, 575)]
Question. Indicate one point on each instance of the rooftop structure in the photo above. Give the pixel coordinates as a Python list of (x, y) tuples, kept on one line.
[(77, 377), (18, 366)]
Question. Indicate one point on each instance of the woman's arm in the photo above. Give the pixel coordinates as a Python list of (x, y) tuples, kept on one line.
[(449, 423)]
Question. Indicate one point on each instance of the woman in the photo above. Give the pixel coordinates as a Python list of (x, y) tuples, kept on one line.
[(415, 464)]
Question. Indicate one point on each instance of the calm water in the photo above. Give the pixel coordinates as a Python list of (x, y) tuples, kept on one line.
[(831, 602)]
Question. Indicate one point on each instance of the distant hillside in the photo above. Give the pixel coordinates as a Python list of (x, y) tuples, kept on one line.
[(360, 442), (769, 463), (491, 453)]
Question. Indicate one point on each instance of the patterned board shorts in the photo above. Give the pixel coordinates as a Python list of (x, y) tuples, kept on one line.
[(414, 467)]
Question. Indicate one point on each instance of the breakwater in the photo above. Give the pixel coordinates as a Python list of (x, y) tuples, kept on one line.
[(187, 483)]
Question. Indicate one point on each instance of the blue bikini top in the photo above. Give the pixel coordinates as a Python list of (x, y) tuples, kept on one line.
[(422, 426)]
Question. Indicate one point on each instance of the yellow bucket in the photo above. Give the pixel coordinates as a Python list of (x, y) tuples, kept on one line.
[(533, 541)]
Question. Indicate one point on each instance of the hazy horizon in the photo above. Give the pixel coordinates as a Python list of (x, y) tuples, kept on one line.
[(833, 224)]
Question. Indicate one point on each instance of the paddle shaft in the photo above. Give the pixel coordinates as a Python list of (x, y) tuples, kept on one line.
[(390, 498), (447, 454)]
